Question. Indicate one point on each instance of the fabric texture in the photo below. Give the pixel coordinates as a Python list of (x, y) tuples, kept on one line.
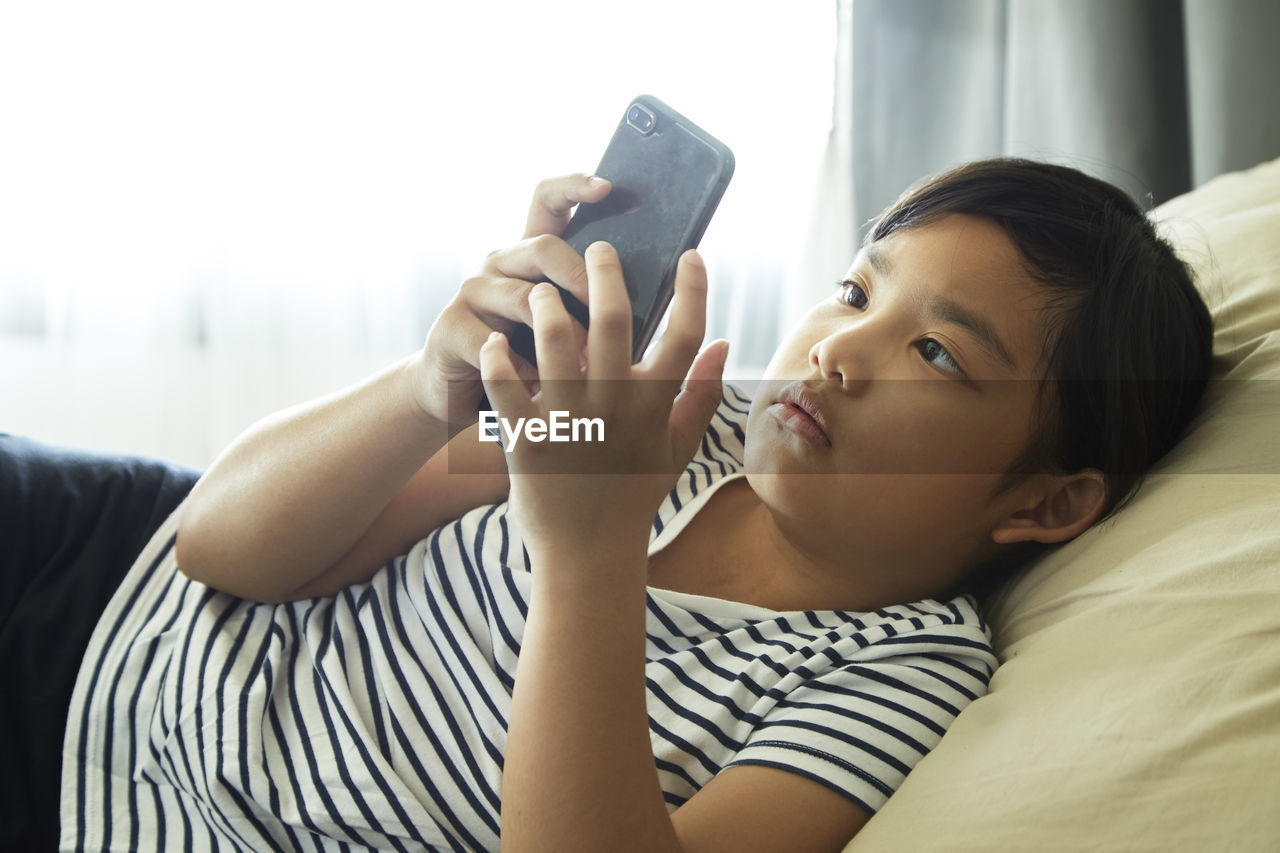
[(377, 718), (72, 524), (1156, 96), (1137, 706)]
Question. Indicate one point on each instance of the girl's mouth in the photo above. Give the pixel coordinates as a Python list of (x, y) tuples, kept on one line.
[(800, 411)]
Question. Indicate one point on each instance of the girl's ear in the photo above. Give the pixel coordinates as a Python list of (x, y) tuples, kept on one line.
[(1057, 507)]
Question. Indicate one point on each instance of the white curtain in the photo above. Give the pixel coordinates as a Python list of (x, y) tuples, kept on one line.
[(209, 211)]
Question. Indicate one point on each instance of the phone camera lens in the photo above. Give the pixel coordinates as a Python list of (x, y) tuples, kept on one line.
[(640, 118)]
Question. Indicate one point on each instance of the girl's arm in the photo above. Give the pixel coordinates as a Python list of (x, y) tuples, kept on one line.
[(579, 771), (322, 495)]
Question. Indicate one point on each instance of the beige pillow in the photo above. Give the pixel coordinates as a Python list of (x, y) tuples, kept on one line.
[(1137, 707)]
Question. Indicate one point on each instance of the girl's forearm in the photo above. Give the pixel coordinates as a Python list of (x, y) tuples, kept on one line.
[(295, 492), (579, 771)]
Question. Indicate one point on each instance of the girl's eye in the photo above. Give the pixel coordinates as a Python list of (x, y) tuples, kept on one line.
[(937, 355), (852, 294)]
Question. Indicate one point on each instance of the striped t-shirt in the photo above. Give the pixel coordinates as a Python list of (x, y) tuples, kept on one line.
[(377, 718)]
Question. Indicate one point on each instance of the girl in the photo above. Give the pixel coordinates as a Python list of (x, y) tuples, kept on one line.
[(733, 624)]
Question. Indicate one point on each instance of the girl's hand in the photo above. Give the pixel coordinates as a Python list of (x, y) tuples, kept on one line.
[(579, 494), (497, 298)]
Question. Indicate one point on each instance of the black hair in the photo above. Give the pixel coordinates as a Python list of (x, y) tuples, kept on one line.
[(1129, 340)]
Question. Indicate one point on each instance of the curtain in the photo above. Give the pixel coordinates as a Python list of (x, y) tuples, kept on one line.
[(211, 211), (1156, 96)]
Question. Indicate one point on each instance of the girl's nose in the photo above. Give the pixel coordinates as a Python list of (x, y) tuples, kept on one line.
[(845, 356)]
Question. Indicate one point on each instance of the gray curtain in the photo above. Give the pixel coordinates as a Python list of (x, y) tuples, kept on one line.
[(1156, 96)]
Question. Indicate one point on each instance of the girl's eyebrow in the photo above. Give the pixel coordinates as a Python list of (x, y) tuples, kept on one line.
[(982, 329), (949, 311), (878, 261)]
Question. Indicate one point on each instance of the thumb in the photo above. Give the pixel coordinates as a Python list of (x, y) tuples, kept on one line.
[(698, 399)]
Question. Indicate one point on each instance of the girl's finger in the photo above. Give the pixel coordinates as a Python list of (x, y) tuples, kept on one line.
[(609, 338), (555, 198), (502, 383), (697, 400), (544, 258), (554, 337), (686, 322), (499, 301), (491, 302)]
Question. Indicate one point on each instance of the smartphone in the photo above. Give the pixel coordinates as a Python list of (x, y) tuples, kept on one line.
[(668, 176)]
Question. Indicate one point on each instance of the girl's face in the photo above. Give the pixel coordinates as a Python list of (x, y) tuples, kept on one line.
[(903, 399)]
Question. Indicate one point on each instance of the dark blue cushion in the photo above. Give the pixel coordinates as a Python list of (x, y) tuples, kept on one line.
[(71, 524)]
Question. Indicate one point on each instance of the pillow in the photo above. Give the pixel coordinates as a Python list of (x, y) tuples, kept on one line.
[(1137, 706), (71, 524)]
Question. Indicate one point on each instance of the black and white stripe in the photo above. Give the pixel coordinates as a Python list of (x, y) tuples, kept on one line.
[(377, 719)]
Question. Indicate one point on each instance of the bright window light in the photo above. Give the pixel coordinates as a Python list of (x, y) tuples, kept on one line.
[(291, 191)]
